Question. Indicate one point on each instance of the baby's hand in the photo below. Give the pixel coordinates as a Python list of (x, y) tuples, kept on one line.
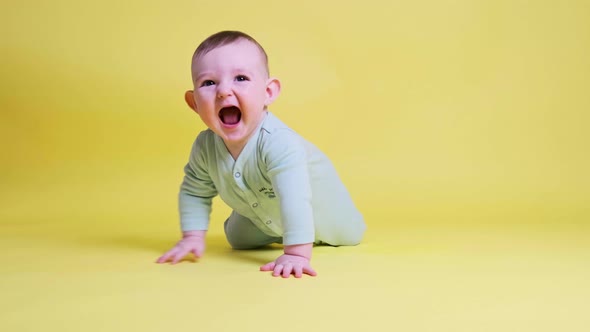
[(287, 264), (192, 242)]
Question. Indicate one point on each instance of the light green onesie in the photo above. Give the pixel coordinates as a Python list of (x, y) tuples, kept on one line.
[(285, 186)]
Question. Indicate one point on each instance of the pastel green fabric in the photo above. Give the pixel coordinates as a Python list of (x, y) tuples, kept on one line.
[(285, 185)]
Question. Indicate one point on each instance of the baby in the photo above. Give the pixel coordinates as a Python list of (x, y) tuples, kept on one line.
[(282, 189)]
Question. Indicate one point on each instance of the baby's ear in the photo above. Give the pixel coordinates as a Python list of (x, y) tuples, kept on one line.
[(190, 100), (273, 89)]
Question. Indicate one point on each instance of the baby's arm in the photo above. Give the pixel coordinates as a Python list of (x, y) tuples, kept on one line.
[(295, 261), (194, 201), (191, 242), (285, 156)]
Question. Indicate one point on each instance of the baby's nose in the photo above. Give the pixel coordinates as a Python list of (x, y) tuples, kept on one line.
[(223, 90)]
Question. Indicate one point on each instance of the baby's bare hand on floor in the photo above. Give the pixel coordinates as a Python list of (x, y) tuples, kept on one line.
[(188, 244), (287, 265)]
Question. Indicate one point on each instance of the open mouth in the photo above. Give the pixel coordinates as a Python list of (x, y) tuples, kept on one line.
[(230, 115)]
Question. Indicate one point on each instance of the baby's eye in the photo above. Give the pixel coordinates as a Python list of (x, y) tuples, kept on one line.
[(207, 83), (241, 78)]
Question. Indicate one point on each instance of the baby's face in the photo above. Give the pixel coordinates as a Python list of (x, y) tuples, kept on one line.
[(231, 90)]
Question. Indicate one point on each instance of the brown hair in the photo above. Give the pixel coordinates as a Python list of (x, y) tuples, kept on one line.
[(223, 38)]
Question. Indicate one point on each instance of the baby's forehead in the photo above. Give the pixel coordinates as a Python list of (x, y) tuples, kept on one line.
[(248, 51)]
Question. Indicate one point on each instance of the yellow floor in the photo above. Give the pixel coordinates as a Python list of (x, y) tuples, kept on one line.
[(87, 266)]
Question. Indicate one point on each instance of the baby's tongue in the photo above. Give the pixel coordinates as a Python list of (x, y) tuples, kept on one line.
[(230, 115)]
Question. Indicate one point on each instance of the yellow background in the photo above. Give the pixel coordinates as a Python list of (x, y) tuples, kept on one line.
[(459, 127)]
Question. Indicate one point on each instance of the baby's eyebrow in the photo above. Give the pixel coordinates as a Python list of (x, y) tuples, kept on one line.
[(201, 75), (246, 71)]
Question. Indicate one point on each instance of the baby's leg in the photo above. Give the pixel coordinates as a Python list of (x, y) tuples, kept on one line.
[(242, 234), (349, 234)]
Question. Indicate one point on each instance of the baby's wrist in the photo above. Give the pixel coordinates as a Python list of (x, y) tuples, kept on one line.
[(301, 250), (193, 234)]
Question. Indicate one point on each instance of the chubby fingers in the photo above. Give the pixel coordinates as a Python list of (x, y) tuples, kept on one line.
[(298, 271), (268, 267), (197, 252), (164, 258), (287, 269), (277, 271), (179, 254), (310, 271), (176, 254)]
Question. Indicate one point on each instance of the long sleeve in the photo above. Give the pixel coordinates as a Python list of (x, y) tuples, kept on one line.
[(197, 189), (286, 159)]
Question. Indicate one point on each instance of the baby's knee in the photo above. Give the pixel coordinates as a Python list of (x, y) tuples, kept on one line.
[(349, 236), (237, 241), (241, 246), (247, 238), (246, 245)]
